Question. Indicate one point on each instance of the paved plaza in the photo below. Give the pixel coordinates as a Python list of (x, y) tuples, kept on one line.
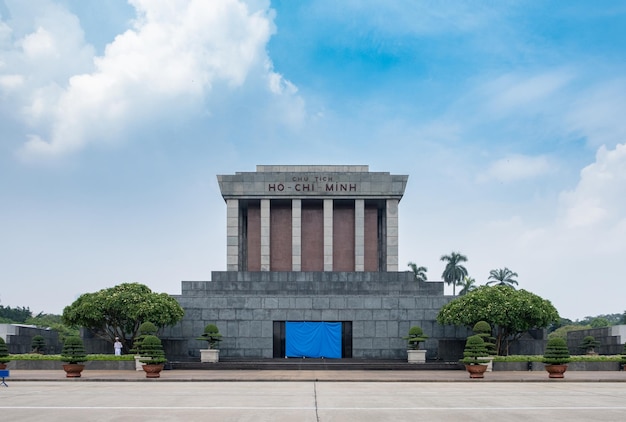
[(297, 396)]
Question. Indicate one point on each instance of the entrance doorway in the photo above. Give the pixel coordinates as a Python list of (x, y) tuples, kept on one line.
[(312, 339)]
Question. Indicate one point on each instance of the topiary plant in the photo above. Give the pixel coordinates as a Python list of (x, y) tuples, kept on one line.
[(38, 344), (589, 345), (145, 329), (211, 335), (73, 350), (415, 337), (483, 329), (4, 352), (556, 352), (475, 349), (151, 350)]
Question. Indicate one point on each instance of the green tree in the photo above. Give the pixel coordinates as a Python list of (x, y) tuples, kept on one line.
[(120, 310), (502, 277), (510, 312), (468, 285), (17, 315), (454, 272), (418, 272), (55, 322), (600, 322)]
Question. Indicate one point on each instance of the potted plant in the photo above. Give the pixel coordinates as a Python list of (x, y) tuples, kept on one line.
[(38, 344), (212, 336), (415, 337), (556, 357), (483, 329), (589, 345), (474, 356), (4, 354), (623, 359), (145, 329), (73, 354), (152, 356)]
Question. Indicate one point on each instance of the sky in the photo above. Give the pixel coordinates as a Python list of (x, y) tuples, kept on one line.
[(116, 117)]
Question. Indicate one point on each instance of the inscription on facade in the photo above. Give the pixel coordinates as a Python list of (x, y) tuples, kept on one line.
[(312, 187)]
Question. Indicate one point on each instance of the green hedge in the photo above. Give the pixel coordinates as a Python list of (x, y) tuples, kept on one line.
[(37, 356), (573, 358)]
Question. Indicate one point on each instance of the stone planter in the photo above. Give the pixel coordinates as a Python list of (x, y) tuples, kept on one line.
[(556, 371), (209, 355), (476, 371), (153, 371), (416, 356), (73, 370)]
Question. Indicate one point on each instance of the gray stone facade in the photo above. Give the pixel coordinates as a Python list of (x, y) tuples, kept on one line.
[(380, 307), (339, 209)]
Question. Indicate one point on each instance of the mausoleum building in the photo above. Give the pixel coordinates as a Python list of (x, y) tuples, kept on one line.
[(312, 270)]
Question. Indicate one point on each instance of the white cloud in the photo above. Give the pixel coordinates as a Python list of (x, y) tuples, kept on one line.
[(599, 199), (514, 168), (179, 59)]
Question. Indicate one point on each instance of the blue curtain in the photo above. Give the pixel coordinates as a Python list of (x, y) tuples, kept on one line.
[(313, 339)]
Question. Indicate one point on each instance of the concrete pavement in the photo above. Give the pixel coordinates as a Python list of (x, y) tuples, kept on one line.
[(339, 396), (317, 375)]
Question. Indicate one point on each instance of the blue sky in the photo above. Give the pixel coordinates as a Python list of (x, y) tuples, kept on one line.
[(116, 117)]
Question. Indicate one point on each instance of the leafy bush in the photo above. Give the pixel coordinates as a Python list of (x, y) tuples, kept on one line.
[(4, 352), (145, 329), (211, 335), (415, 337), (152, 351), (475, 349), (98, 357), (73, 350), (556, 352), (589, 344), (483, 329), (38, 344)]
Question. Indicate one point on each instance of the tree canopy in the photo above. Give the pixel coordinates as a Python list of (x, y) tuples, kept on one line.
[(502, 277), (120, 310), (510, 312), (454, 272), (418, 272)]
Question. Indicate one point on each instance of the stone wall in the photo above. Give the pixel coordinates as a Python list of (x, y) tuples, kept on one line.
[(611, 339), (19, 338), (381, 306)]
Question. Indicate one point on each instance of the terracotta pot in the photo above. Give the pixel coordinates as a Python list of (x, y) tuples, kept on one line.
[(556, 371), (3, 366), (153, 371), (476, 371), (73, 370)]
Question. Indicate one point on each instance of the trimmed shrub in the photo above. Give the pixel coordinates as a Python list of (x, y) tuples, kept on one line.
[(475, 349), (4, 352), (211, 335), (38, 344), (73, 350), (151, 350), (556, 352)]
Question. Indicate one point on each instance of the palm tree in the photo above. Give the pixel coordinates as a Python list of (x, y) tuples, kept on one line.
[(419, 272), (467, 285), (502, 277), (454, 271)]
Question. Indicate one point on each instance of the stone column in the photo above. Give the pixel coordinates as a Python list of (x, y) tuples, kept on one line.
[(265, 234), (359, 235), (392, 234), (232, 235), (328, 234), (296, 235)]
